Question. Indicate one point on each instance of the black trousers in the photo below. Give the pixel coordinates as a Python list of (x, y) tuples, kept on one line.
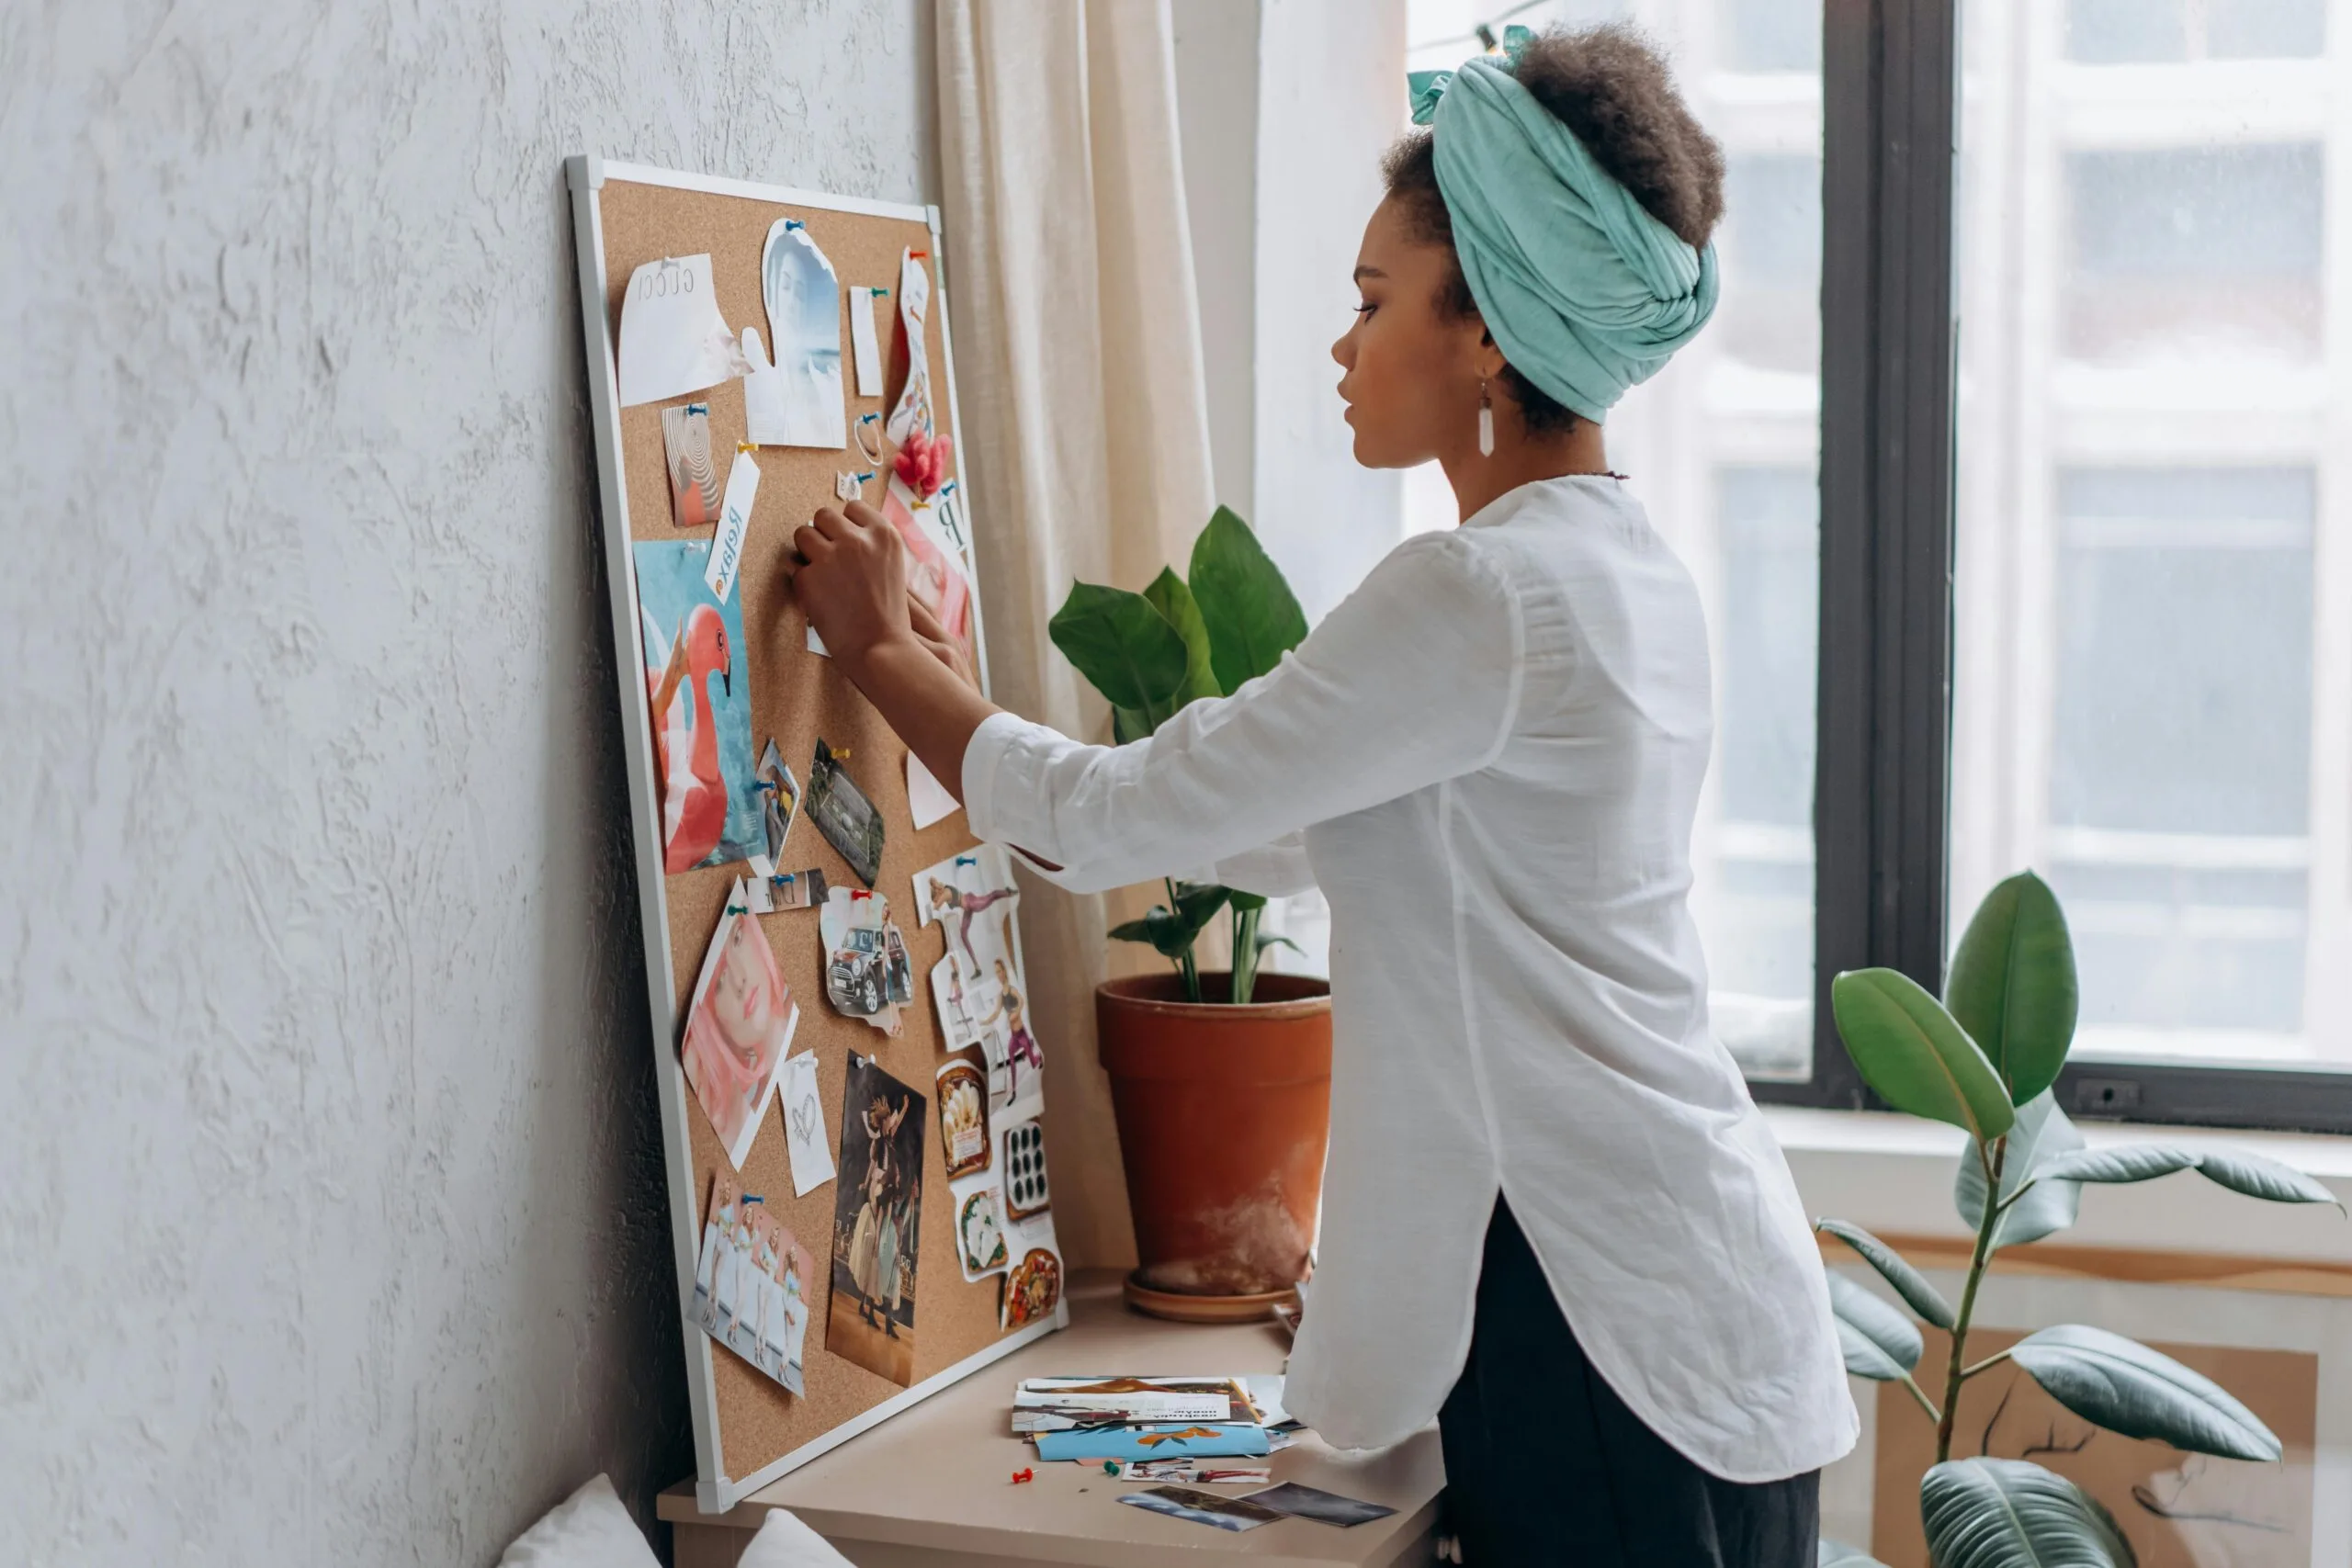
[(1545, 1465)]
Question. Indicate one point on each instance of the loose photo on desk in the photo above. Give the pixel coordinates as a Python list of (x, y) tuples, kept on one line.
[(877, 1210)]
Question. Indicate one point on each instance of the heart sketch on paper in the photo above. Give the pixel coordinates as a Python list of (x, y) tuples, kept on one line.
[(804, 1121)]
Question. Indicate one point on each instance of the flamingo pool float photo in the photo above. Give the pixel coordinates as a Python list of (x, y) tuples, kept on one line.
[(693, 799)]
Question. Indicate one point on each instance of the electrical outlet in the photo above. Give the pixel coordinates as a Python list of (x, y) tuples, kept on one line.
[(2106, 1097)]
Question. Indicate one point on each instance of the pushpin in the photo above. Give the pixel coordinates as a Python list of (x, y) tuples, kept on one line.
[(1021, 1476), (841, 753)]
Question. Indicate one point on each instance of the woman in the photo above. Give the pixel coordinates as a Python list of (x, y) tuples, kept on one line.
[(769, 1337), (1020, 1046), (1611, 1301), (864, 1242)]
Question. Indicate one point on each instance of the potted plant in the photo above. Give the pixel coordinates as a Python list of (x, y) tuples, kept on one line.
[(1984, 1059), (1220, 1081)]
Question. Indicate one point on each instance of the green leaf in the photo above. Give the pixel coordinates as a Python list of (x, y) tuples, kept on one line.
[(1253, 618), (1838, 1555), (2258, 1177), (2012, 984), (2255, 1175), (1889, 1332), (2043, 1133), (1198, 902), (2006, 1512), (1245, 902), (1173, 932), (1863, 1357), (2132, 1162), (1128, 724), (2122, 1385), (1124, 647), (1265, 940), (1912, 1052), (1908, 1282), (1174, 601)]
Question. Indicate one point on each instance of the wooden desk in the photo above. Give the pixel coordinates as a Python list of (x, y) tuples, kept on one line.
[(932, 1488)]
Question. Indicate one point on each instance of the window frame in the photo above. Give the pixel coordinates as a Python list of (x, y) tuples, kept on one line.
[(1881, 808)]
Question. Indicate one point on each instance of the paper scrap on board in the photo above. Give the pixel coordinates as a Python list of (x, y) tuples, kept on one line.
[(801, 401), (980, 1230), (734, 523), (912, 411), (927, 799), (752, 1284), (767, 396), (864, 344), (877, 1209), (700, 704), (844, 813), (804, 1139), (868, 973), (673, 340), (779, 802), (738, 1027), (936, 571), (694, 477), (773, 891)]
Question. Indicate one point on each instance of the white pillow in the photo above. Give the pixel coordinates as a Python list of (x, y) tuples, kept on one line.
[(588, 1529), (785, 1542)]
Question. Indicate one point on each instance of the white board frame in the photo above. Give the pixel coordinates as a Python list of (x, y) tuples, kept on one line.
[(585, 173)]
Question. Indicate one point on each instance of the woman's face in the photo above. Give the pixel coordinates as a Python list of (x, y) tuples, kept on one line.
[(1413, 371), (743, 993)]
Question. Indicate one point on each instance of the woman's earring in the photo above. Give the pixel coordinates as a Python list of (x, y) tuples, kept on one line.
[(1485, 424)]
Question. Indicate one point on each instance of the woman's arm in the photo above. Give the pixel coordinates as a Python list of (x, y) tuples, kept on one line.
[(1414, 679), (851, 579)]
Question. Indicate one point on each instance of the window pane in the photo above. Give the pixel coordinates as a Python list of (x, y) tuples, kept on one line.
[(2265, 30), (2153, 645), (1722, 448), (2110, 32), (2197, 253)]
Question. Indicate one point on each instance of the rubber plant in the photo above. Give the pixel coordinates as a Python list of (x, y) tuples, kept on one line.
[(1984, 1059), (1151, 654)]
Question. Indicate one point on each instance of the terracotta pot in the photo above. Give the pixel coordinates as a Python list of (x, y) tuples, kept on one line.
[(1224, 1115)]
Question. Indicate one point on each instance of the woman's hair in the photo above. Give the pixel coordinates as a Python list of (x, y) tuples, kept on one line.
[(1610, 87)]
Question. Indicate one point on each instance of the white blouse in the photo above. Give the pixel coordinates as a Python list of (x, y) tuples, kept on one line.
[(1494, 749)]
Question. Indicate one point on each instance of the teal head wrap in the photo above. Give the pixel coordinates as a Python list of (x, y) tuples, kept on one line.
[(1585, 292)]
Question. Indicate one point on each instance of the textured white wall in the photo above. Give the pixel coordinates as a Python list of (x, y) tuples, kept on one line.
[(329, 1179)]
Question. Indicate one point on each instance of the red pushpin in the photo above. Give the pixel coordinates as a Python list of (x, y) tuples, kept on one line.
[(1021, 1476)]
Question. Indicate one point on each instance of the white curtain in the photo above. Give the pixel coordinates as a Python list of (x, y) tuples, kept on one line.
[(1082, 402)]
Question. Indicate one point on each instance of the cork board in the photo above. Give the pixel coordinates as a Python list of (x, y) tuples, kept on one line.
[(749, 1429)]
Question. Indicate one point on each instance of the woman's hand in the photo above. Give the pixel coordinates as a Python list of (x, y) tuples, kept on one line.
[(849, 571), (934, 638), (850, 576)]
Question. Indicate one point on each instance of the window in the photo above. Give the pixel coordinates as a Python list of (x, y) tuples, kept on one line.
[(2152, 606), (2035, 550)]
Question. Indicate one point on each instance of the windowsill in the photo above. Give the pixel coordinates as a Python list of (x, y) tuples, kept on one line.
[(1892, 1174)]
